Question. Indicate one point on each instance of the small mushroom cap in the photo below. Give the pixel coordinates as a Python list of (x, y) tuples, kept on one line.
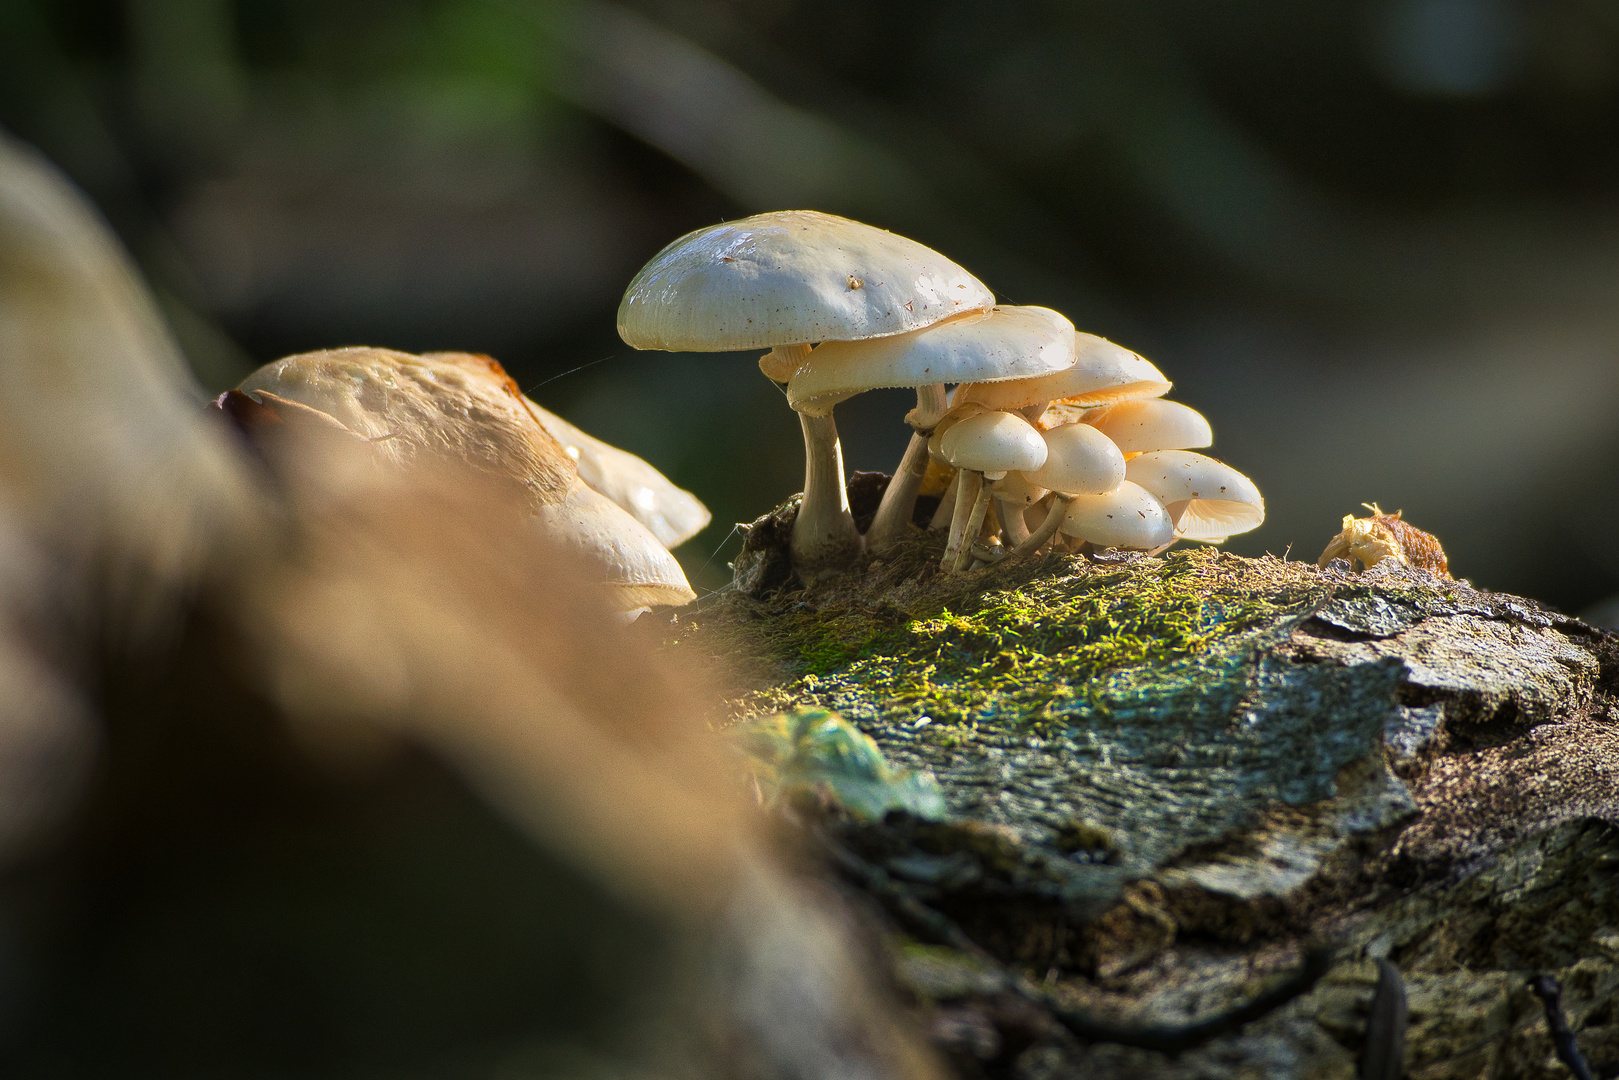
[(994, 444), (1152, 424), (790, 277), (639, 571), (673, 514), (1129, 516), (1102, 373), (1207, 499), (1018, 488), (1080, 461), (1001, 343)]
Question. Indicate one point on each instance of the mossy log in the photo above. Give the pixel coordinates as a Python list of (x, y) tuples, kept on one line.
[(1169, 779)]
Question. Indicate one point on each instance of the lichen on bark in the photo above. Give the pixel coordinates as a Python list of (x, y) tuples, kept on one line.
[(1164, 776)]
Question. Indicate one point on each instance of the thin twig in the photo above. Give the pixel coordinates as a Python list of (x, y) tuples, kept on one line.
[(1384, 1056), (1550, 993)]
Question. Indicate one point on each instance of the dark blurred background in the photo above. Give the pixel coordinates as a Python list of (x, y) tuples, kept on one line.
[(1376, 242)]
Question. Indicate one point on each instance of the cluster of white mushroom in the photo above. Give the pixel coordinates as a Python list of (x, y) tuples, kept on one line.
[(1049, 435)]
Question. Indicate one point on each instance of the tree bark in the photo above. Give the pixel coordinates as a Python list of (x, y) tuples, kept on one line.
[(1170, 781)]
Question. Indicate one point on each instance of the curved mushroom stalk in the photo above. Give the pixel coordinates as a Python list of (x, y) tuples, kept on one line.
[(1013, 525), (1046, 529), (824, 533), (899, 498), (947, 505), (975, 521), (969, 486)]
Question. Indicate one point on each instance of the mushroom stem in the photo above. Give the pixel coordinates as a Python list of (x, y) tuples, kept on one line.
[(1012, 522), (975, 523), (899, 498), (968, 486), (947, 505), (1047, 528), (823, 534)]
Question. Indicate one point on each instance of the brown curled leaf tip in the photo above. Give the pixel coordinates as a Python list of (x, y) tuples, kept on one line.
[(1368, 541)]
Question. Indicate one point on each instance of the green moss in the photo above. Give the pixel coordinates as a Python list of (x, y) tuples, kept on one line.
[(1035, 654)]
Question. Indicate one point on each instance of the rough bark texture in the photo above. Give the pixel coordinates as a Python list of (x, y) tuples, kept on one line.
[(1167, 778)]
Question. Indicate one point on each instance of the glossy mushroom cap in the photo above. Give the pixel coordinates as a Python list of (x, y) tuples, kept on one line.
[(1207, 499), (672, 514), (1129, 516), (1138, 427), (790, 277), (642, 573), (1000, 343), (1079, 461), (409, 406), (1102, 373), (994, 444)]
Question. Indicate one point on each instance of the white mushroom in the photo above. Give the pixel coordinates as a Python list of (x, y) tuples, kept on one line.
[(984, 447), (408, 406), (1102, 373), (1003, 343), (1079, 461), (1150, 424), (785, 281), (670, 513), (1207, 499), (1129, 516)]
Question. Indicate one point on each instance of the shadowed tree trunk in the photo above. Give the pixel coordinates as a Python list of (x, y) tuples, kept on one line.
[(1200, 788)]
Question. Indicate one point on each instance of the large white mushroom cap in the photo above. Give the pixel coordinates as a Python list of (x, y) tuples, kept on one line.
[(790, 277), (1102, 373), (407, 406), (1080, 460), (994, 444), (1000, 343), (1207, 499), (1129, 516), (1152, 424)]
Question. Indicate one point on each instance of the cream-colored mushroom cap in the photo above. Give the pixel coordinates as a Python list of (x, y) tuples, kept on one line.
[(407, 405), (1207, 499), (1137, 427), (672, 514), (1001, 343), (1079, 461), (640, 572), (1129, 516), (994, 443), (790, 277), (1102, 373), (1018, 488)]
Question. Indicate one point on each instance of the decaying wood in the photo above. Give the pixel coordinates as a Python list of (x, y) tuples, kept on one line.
[(1169, 778)]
